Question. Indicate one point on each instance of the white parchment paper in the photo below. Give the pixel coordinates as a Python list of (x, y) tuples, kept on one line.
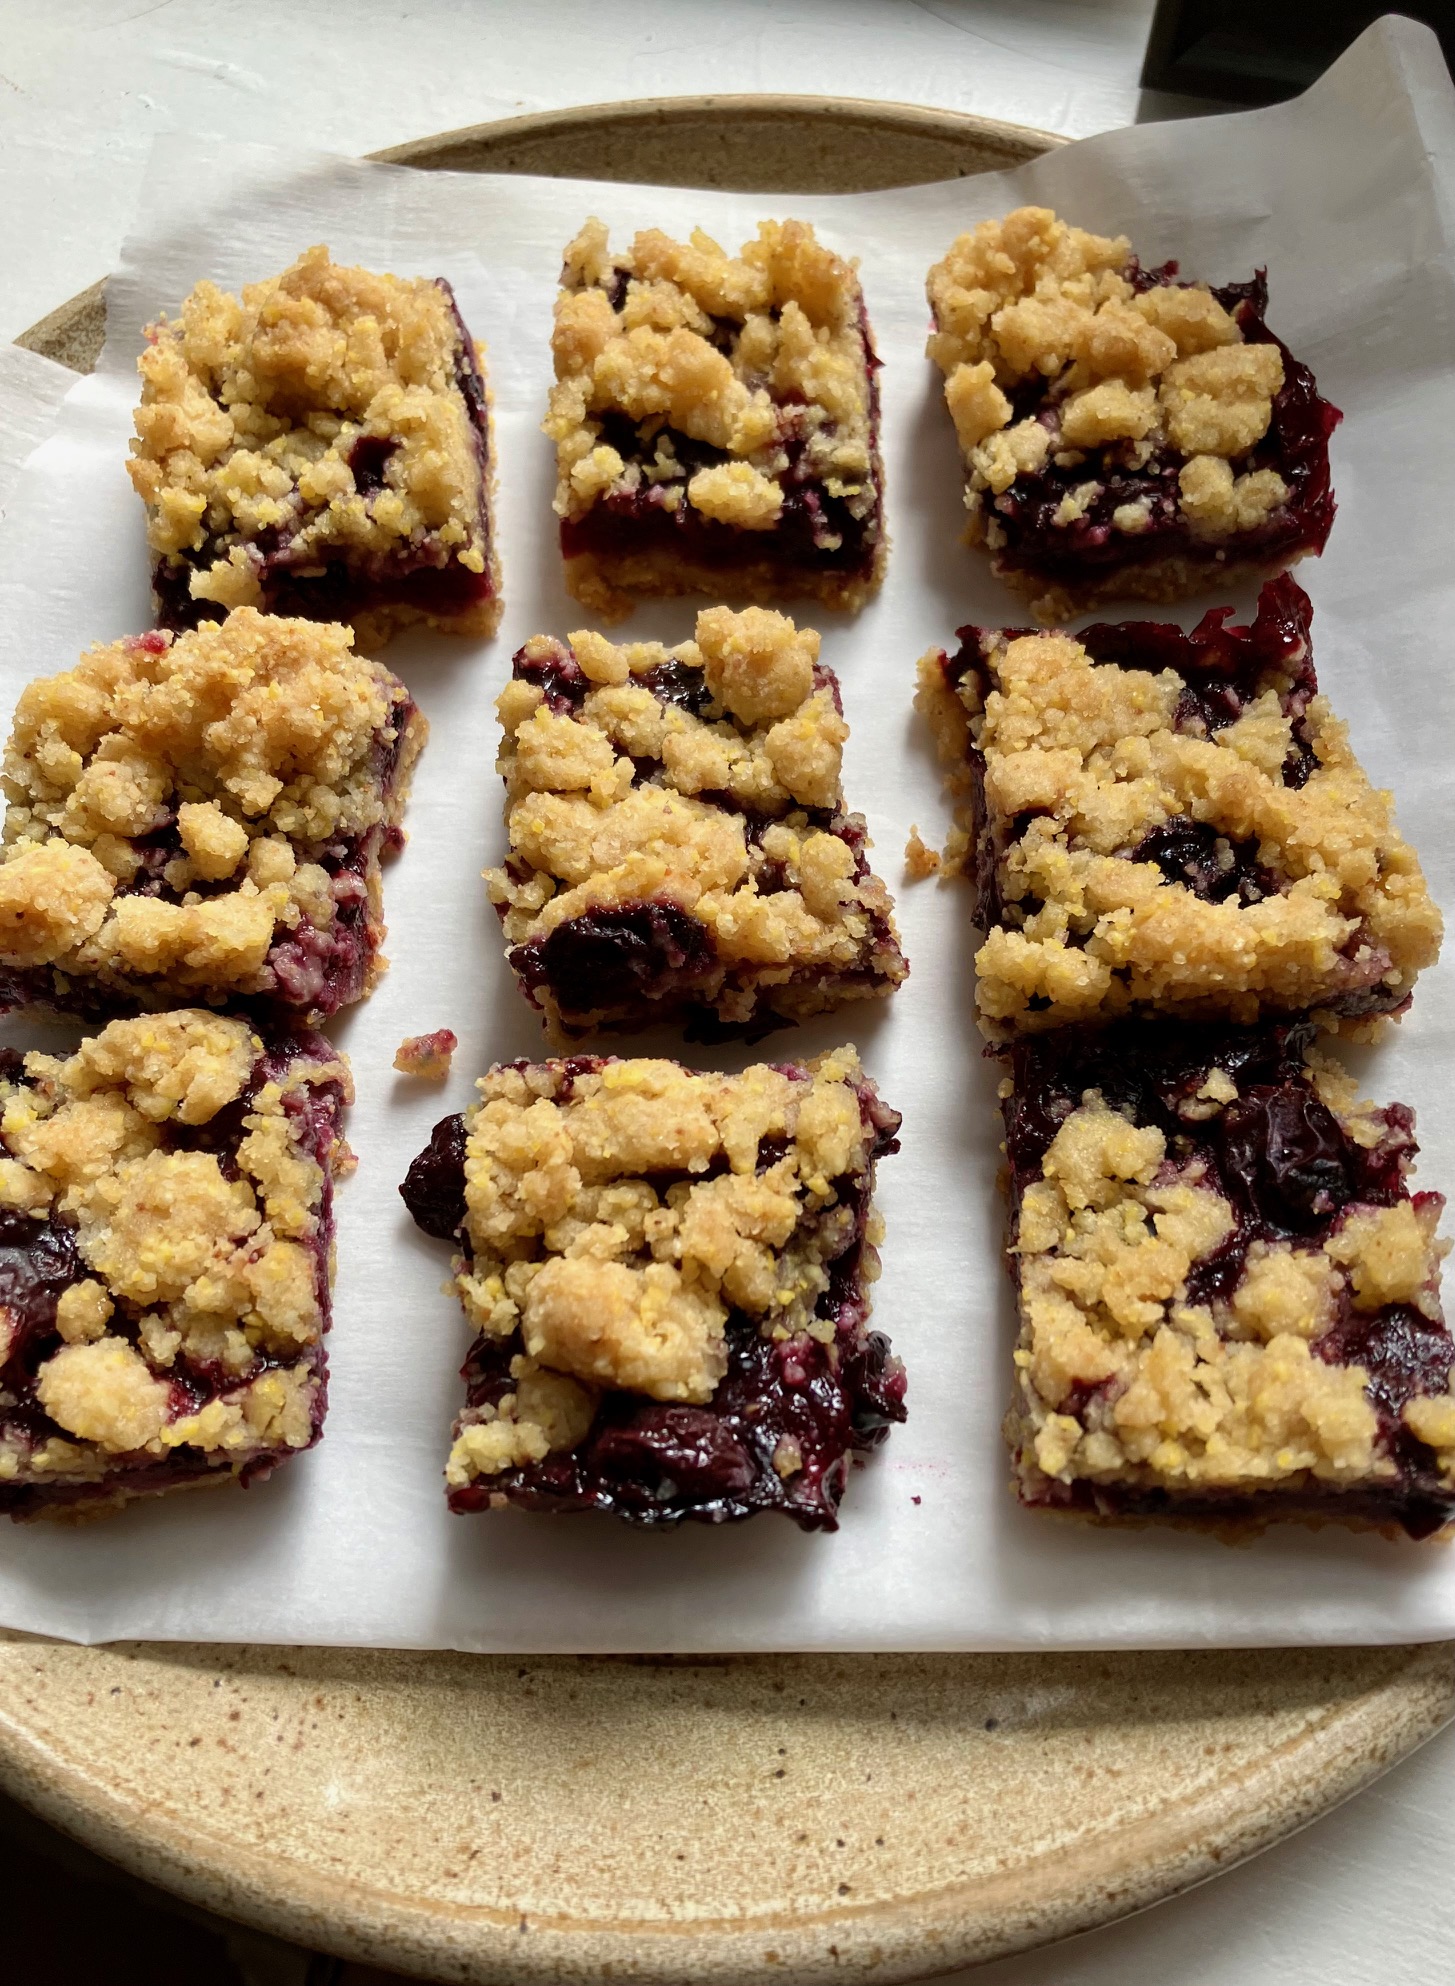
[(1346, 196)]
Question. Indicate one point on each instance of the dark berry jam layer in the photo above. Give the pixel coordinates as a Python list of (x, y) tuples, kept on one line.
[(628, 962), (39, 1260), (1290, 1171), (423, 578), (655, 1463), (1296, 446), (1417, 1514)]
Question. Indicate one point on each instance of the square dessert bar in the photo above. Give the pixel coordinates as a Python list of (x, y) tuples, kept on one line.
[(201, 817), (319, 445), (716, 421), (668, 1275), (166, 1236), (1173, 823), (1229, 1298), (1124, 434), (678, 839)]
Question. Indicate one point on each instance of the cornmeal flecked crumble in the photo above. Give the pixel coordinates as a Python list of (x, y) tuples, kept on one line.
[(427, 1055), (716, 421), (678, 839), (668, 1274), (165, 1257), (202, 817), (920, 860), (1229, 1299), (1174, 823), (1123, 434), (319, 445)]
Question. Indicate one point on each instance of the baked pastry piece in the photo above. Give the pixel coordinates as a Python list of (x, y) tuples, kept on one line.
[(668, 1275), (716, 421), (1229, 1298), (1173, 823), (678, 839), (319, 445), (1124, 434), (166, 1232), (202, 818)]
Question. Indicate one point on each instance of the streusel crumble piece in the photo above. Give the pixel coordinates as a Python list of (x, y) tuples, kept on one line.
[(668, 1275), (1229, 1298), (1124, 434), (1174, 823), (165, 1257), (201, 817), (716, 421), (678, 839), (427, 1055), (319, 445)]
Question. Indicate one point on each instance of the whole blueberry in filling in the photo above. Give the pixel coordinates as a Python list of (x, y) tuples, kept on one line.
[(1229, 1298), (165, 1257), (668, 1277), (319, 445), (1172, 823), (679, 846), (1124, 434), (203, 818), (716, 421)]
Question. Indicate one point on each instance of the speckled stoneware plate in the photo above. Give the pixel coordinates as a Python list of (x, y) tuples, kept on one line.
[(571, 1819)]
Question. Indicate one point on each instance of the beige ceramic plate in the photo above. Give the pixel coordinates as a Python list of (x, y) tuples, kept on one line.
[(483, 1819)]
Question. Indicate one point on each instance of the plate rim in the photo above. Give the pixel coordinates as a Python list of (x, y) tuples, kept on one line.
[(951, 1925)]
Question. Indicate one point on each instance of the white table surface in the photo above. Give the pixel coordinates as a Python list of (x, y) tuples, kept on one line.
[(1365, 1896)]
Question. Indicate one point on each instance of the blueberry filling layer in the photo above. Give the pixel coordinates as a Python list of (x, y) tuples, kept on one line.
[(1194, 854), (423, 578), (617, 961), (1291, 1172)]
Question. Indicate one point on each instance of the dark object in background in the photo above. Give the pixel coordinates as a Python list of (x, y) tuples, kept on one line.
[(1261, 51)]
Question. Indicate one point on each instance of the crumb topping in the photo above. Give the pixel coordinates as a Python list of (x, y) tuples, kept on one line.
[(171, 800), (705, 777), (616, 1216), (1131, 1374), (759, 356), (1138, 856), (1031, 302), (201, 1264), (920, 860), (321, 408), (427, 1055)]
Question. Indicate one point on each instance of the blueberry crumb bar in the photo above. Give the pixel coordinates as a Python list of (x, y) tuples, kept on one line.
[(1229, 1298), (668, 1274), (678, 839), (166, 1240), (1172, 823), (319, 445), (716, 421), (201, 817), (1124, 434)]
